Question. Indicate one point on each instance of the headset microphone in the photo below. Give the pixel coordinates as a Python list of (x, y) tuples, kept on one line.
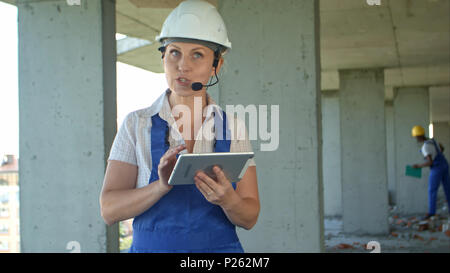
[(197, 86)]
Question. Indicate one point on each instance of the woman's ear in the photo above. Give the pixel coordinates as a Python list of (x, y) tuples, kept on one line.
[(219, 65)]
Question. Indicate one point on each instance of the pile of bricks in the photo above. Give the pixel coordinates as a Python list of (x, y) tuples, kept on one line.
[(433, 224)]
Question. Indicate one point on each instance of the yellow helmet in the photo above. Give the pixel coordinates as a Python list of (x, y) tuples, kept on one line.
[(418, 131)]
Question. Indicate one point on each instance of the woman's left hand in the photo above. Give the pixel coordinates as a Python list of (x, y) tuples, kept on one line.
[(218, 192)]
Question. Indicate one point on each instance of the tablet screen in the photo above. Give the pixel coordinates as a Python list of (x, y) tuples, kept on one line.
[(233, 165)]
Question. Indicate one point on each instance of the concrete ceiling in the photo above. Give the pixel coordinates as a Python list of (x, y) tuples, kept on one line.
[(409, 38), (398, 33)]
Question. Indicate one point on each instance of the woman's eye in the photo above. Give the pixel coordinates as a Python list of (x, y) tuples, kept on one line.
[(198, 55), (174, 52)]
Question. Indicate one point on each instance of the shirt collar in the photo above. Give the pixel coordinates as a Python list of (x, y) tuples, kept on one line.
[(162, 106), (158, 104)]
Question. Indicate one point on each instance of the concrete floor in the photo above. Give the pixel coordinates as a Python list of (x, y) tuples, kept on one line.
[(405, 235)]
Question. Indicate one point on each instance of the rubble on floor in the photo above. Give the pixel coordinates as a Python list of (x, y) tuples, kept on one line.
[(408, 233)]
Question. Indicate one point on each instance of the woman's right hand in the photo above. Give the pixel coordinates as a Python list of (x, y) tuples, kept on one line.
[(166, 165)]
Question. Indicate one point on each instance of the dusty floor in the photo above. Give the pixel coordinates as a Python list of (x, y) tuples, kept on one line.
[(408, 234)]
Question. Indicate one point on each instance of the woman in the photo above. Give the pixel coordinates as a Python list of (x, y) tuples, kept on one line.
[(187, 218)]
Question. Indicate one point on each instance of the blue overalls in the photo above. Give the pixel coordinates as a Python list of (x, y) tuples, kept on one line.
[(438, 172), (183, 220)]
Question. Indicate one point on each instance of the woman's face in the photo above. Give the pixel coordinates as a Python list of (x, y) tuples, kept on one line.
[(186, 63)]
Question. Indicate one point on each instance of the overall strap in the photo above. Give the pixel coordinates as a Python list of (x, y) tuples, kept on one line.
[(223, 134), (438, 149), (159, 143)]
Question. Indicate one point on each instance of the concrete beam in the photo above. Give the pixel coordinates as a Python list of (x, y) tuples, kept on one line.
[(417, 75), (12, 2), (130, 43), (329, 80)]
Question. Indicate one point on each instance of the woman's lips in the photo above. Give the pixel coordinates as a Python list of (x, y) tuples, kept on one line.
[(183, 82)]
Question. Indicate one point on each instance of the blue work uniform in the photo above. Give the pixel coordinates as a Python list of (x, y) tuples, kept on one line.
[(183, 220), (439, 171)]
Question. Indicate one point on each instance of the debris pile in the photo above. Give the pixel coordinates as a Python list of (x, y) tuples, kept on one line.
[(411, 227), (411, 233)]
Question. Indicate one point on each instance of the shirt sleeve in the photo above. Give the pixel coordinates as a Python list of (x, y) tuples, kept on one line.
[(428, 149), (124, 145), (240, 140)]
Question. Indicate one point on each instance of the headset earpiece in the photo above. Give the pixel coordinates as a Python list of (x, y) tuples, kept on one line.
[(216, 58), (163, 51)]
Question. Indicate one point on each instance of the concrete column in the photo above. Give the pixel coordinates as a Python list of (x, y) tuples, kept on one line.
[(411, 108), (67, 102), (331, 154), (390, 151), (363, 150), (441, 132), (440, 117), (275, 61)]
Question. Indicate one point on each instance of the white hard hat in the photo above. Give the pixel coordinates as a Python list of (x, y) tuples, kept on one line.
[(195, 19)]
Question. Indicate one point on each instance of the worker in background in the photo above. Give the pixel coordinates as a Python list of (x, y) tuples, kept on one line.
[(439, 171)]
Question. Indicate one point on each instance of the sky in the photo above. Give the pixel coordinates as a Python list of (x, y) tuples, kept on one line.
[(136, 88)]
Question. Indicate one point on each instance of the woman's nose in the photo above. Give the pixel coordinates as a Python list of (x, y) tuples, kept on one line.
[(184, 64)]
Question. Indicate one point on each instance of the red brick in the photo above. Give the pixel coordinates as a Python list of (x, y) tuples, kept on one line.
[(344, 246)]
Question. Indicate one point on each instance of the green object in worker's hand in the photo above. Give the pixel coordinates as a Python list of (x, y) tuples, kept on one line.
[(410, 171)]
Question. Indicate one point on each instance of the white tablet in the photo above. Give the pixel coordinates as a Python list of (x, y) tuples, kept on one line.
[(233, 165)]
